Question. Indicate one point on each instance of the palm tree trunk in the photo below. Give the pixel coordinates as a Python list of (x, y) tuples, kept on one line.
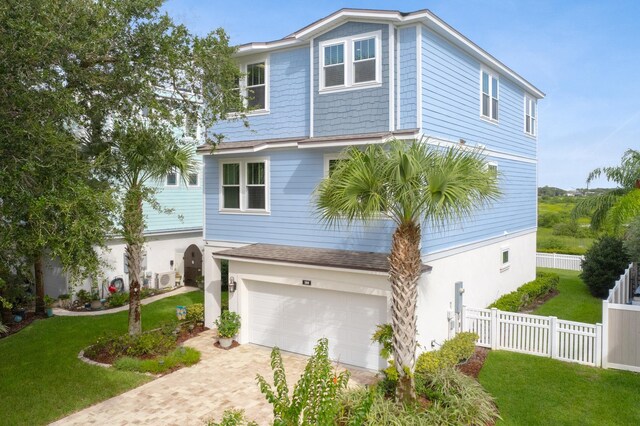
[(38, 269), (404, 271), (133, 227)]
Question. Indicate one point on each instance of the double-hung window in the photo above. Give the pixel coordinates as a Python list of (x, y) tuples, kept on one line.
[(490, 96), (350, 62), (171, 179), (244, 186), (256, 86), (193, 179), (530, 116)]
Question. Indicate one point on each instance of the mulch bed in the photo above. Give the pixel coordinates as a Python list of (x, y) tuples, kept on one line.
[(474, 364), (105, 357), (14, 327), (539, 302), (234, 344)]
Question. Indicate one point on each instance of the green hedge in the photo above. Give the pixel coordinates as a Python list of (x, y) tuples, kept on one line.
[(527, 293), (452, 352)]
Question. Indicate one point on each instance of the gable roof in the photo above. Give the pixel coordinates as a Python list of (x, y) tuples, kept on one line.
[(424, 16)]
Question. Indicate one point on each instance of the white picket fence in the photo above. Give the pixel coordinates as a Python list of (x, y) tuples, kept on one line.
[(537, 335), (559, 261)]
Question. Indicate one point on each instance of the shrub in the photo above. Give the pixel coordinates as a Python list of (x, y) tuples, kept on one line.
[(195, 313), (118, 299), (544, 283), (457, 399), (146, 344), (314, 399), (547, 220), (233, 418), (632, 240), (452, 352), (83, 296), (603, 264), (179, 357)]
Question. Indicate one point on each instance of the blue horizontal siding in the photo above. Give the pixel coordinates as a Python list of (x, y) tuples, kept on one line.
[(514, 211), (293, 221), (407, 69), (289, 102), (451, 100)]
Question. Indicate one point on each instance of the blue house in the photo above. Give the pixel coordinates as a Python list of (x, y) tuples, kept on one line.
[(353, 78)]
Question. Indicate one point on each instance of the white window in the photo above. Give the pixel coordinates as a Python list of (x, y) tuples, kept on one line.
[(256, 86), (190, 129), (351, 62), (489, 97), (245, 186), (530, 115), (194, 179), (492, 167), (504, 259), (171, 179)]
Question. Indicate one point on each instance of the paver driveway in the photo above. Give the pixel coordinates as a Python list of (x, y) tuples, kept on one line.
[(190, 396)]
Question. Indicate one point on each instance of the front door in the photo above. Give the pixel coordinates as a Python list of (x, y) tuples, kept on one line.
[(192, 265)]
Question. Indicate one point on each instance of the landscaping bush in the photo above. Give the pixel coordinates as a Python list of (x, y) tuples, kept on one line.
[(233, 418), (83, 296), (544, 283), (118, 299), (452, 352), (603, 264), (179, 357), (632, 240), (147, 344), (195, 312)]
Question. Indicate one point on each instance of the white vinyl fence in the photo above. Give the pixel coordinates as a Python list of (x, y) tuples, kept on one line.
[(559, 261), (621, 323), (537, 335)]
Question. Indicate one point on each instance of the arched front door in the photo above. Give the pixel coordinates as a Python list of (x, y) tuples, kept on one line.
[(192, 265)]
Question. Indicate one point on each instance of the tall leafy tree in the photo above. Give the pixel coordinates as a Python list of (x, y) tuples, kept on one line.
[(611, 210), (413, 184), (91, 70)]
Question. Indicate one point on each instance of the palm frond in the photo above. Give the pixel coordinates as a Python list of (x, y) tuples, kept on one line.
[(625, 209), (597, 206)]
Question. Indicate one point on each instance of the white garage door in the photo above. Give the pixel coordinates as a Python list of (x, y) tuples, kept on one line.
[(294, 318)]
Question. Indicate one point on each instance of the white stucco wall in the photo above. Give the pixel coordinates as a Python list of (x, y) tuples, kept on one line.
[(160, 251)]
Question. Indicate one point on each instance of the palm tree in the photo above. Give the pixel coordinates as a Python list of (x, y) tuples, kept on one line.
[(617, 207), (412, 183), (139, 154)]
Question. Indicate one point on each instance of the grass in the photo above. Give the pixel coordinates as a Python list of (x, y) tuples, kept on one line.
[(573, 302), (41, 378), (532, 390), (549, 243), (179, 357)]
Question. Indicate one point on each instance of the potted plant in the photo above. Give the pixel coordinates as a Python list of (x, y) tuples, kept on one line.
[(228, 325), (48, 303)]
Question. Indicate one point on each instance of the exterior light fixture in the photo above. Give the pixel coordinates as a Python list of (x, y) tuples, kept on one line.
[(232, 285)]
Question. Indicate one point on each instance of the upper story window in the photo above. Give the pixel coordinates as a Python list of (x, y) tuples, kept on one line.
[(194, 179), (530, 115), (171, 179), (490, 96), (244, 186), (256, 86), (350, 62)]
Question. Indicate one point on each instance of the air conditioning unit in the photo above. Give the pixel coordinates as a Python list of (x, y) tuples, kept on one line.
[(165, 280)]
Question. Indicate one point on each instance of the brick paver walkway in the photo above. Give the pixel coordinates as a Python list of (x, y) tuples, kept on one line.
[(190, 396)]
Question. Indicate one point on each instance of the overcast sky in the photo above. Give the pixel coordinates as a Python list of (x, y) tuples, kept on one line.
[(585, 55)]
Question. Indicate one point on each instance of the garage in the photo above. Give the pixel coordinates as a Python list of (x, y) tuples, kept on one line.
[(294, 317)]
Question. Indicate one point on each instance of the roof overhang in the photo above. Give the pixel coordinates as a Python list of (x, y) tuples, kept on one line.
[(424, 16), (248, 147)]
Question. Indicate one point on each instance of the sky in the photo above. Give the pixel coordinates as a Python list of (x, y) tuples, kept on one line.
[(585, 55)]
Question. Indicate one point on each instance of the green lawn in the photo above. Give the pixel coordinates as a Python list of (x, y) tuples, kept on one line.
[(547, 242), (573, 302), (41, 378), (532, 390)]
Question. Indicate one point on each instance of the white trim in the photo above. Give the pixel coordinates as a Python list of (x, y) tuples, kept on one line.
[(398, 82), (504, 266), (534, 129), (175, 185), (490, 75), (298, 265), (419, 94), (349, 61), (311, 87), (392, 77), (422, 16), (437, 141), (624, 307), (243, 186), (623, 367), (465, 247), (327, 158), (224, 244), (267, 85)]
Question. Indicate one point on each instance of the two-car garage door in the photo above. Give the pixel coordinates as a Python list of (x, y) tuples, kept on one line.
[(295, 317)]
